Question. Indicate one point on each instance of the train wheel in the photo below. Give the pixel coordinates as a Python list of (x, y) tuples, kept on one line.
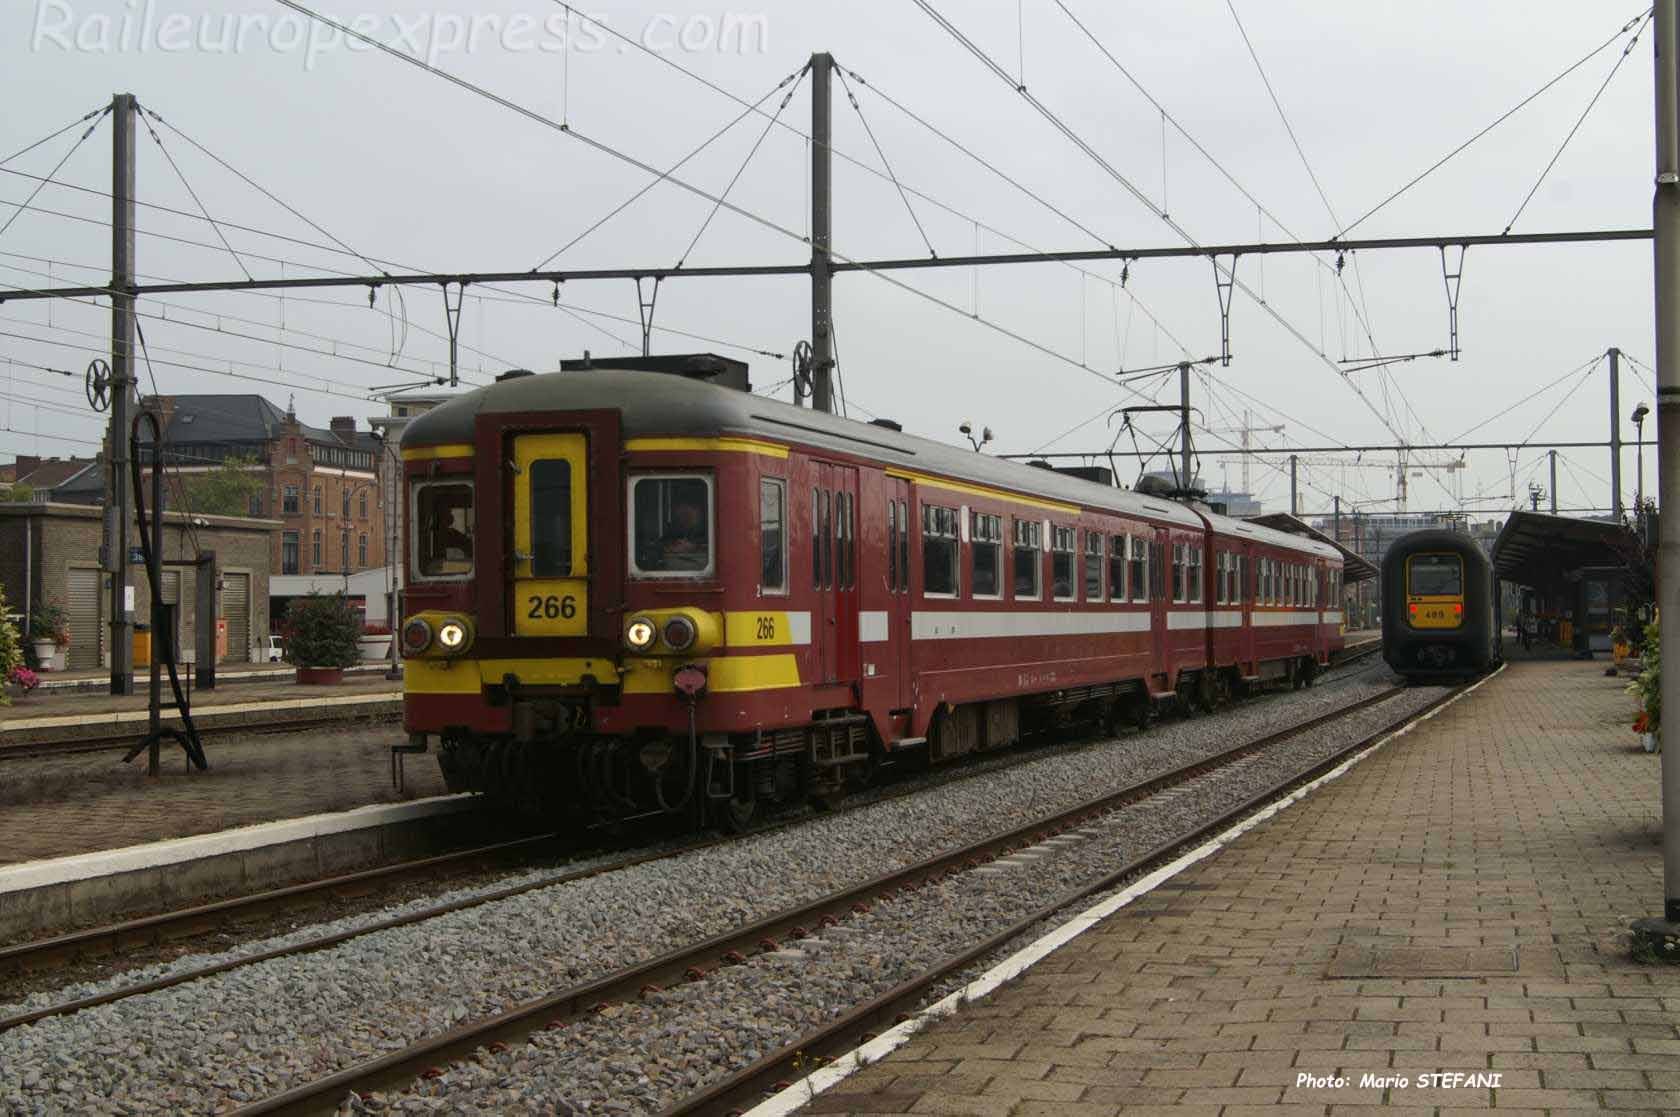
[(738, 814), (1142, 712)]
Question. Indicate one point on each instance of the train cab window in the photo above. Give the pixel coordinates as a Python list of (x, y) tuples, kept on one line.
[(1117, 555), (939, 551), (671, 526), (551, 518), (1093, 565), (1434, 576), (443, 529), (1062, 586), (1193, 572), (772, 536), (1029, 558), (986, 554), (1138, 574)]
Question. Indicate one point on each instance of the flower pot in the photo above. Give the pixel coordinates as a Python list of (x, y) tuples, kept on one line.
[(1649, 740), (320, 676), (45, 650), (374, 648)]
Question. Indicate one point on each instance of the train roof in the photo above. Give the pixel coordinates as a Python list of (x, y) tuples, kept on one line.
[(657, 403)]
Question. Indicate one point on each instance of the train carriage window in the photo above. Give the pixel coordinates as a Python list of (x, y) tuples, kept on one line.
[(1062, 586), (903, 546), (816, 539), (1264, 596), (1029, 561), (842, 540), (986, 554), (1157, 570), (1193, 572), (892, 545), (442, 529), (826, 536), (670, 525), (1118, 554), (939, 551), (551, 518), (1093, 565), (1434, 575), (1178, 572), (1220, 573), (772, 536), (1138, 574)]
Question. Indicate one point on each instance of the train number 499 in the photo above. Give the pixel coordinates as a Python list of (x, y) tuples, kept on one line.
[(551, 606)]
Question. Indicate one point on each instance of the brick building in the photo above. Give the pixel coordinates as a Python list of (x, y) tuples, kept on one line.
[(50, 552), (323, 486)]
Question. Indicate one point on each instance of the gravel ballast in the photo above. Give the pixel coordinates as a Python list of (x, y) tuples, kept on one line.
[(265, 1027)]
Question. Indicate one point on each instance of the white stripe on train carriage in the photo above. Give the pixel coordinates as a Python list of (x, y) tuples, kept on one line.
[(799, 628), (872, 626), (1227, 618), (1186, 618), (1285, 617), (953, 625), (1332, 616)]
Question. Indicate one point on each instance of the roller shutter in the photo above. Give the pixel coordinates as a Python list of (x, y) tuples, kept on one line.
[(236, 608), (84, 620), (172, 596)]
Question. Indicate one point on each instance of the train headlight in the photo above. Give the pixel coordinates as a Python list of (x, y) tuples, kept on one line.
[(416, 636), (453, 636), (639, 634), (680, 633)]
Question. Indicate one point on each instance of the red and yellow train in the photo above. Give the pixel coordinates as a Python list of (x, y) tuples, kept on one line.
[(634, 592)]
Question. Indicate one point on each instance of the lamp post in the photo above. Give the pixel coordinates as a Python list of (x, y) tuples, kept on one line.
[(1639, 414)]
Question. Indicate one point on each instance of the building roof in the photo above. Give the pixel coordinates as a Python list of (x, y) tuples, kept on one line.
[(53, 473), (244, 418), (1537, 549)]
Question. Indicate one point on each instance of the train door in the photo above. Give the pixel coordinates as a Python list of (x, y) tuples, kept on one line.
[(550, 531), (1243, 581), (1160, 583), (886, 634), (834, 572)]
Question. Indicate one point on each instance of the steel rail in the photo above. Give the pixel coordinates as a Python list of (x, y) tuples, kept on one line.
[(857, 1026), (730, 947)]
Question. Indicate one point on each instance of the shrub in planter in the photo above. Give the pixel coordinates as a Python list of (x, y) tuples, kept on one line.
[(321, 637), (11, 645), (50, 625), (1647, 688)]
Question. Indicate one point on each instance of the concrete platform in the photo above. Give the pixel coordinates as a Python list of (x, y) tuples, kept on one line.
[(1456, 904)]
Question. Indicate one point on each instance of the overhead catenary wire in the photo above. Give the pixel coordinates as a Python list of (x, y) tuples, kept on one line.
[(51, 175), (1576, 127), (1502, 118), (180, 174), (840, 71)]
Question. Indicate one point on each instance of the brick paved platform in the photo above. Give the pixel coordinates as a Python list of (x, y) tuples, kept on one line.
[(44, 703), (55, 806), (1456, 903)]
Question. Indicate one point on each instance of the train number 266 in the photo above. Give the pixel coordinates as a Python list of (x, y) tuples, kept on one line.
[(551, 606)]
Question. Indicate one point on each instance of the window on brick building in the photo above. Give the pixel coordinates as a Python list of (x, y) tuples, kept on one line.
[(363, 510), (289, 552), (361, 550), (289, 501), (317, 500), (315, 550), (344, 551), (346, 501)]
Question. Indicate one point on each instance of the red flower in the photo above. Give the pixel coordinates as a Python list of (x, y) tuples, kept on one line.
[(1642, 723)]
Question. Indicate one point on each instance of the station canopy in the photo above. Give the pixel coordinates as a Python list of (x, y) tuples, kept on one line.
[(1538, 550), (1354, 568)]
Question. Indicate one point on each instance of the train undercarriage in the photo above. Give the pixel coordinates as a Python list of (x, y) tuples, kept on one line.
[(577, 779)]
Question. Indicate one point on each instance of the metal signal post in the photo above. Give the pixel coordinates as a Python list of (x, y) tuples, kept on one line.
[(123, 110), (822, 265)]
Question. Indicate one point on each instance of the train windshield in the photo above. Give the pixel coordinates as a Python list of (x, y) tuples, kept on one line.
[(671, 525), (1436, 575), (443, 530)]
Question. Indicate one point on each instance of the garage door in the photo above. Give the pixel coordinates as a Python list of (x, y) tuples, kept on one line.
[(84, 620), (236, 608)]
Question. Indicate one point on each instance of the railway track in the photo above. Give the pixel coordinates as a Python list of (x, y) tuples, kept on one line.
[(696, 961)]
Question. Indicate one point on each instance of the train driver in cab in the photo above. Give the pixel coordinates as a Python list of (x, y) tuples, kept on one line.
[(682, 542)]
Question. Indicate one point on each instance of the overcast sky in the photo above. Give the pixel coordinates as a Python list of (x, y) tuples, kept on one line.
[(403, 166)]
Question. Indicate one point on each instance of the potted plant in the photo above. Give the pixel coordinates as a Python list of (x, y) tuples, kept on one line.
[(1646, 687), (11, 648), (375, 643), (49, 631), (321, 638), (23, 679)]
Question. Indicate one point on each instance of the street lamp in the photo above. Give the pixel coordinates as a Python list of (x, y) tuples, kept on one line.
[(1639, 414)]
